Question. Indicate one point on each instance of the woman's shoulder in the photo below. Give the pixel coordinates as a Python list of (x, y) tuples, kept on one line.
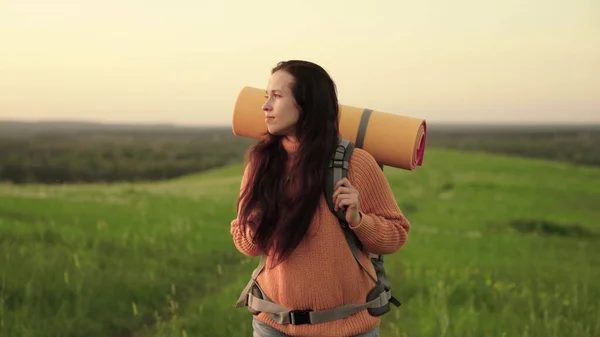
[(364, 168), (362, 160)]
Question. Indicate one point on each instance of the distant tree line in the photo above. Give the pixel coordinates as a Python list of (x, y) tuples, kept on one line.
[(574, 144), (113, 155), (68, 153)]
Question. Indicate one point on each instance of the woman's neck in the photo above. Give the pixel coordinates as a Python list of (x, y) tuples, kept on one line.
[(290, 144)]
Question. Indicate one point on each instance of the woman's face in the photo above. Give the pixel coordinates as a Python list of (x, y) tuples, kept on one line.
[(281, 112)]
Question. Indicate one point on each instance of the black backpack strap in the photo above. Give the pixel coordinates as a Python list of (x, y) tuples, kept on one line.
[(338, 169)]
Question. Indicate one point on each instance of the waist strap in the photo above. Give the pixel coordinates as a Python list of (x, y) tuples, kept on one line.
[(283, 315)]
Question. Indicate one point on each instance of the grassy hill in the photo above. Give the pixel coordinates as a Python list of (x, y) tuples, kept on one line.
[(500, 246)]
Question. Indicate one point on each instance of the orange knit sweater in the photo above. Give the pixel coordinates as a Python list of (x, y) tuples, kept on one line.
[(322, 273)]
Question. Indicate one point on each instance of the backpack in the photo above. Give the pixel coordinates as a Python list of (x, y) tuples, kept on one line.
[(338, 170), (378, 299)]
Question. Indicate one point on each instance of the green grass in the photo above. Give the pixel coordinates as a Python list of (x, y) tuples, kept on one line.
[(156, 259)]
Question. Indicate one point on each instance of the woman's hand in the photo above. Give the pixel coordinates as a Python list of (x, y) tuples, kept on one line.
[(346, 196)]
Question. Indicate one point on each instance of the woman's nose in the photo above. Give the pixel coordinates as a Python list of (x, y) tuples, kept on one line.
[(267, 106)]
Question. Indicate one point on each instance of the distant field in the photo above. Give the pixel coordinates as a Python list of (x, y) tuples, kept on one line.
[(75, 152), (500, 246)]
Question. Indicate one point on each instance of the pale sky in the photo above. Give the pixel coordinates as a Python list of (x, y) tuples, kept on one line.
[(184, 61)]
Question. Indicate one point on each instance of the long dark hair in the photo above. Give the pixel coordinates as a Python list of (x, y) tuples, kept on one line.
[(280, 219)]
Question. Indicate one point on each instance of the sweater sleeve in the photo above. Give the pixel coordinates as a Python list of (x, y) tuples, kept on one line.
[(383, 228), (243, 239)]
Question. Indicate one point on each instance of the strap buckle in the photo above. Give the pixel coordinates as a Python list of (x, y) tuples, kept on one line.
[(337, 163), (298, 317)]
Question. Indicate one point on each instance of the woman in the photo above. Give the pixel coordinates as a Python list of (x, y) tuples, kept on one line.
[(284, 216)]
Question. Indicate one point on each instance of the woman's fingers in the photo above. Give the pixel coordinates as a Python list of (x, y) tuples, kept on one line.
[(344, 200), (342, 190), (343, 182)]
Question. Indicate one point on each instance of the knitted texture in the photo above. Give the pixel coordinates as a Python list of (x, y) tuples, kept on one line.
[(322, 273)]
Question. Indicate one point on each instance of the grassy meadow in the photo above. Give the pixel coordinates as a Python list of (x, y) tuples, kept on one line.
[(500, 246)]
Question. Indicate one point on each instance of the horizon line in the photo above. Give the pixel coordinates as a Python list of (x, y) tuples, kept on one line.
[(222, 125)]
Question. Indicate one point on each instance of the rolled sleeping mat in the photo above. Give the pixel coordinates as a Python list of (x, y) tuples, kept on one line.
[(393, 140)]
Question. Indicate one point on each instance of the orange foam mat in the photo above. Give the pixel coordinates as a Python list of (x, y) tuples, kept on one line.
[(393, 140)]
